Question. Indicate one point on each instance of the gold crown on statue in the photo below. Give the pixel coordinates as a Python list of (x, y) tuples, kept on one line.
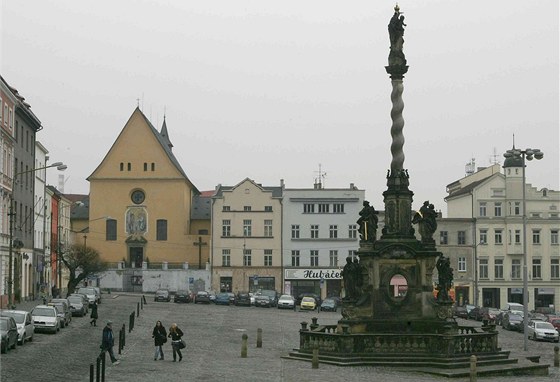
[(397, 9)]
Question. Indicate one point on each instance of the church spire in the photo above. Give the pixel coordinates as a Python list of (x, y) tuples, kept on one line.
[(165, 135)]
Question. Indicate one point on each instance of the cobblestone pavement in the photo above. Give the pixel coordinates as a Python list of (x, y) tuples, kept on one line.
[(213, 335)]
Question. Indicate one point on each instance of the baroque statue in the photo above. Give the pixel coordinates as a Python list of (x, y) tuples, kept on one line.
[(426, 220), (368, 223), (396, 32)]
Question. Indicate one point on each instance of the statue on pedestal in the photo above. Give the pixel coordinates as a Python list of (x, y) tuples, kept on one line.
[(426, 220), (445, 278), (396, 32), (368, 223), (350, 278)]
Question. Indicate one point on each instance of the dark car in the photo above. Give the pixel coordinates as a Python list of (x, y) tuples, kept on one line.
[(8, 329), (272, 295), (202, 297), (473, 313), (232, 298), (243, 299), (182, 296), (512, 321), (329, 305), (222, 299), (162, 295), (460, 311), (262, 301)]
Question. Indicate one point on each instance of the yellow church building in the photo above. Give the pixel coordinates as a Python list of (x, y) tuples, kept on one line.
[(144, 211)]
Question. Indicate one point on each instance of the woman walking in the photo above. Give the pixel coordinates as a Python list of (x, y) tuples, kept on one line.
[(93, 314), (175, 333), (160, 337)]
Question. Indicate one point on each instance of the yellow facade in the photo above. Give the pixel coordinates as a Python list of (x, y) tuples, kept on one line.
[(138, 184)]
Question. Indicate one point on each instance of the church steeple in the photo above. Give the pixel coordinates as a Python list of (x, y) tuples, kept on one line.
[(165, 135)]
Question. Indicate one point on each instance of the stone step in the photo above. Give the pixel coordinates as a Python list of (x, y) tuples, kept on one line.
[(487, 365)]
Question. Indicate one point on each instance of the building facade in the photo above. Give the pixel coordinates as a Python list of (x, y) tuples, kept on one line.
[(319, 232), (246, 237), (140, 205), (7, 139), (493, 200)]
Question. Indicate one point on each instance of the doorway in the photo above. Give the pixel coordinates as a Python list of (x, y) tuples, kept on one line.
[(136, 255)]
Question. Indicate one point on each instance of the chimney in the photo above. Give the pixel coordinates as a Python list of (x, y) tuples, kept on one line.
[(352, 187), (282, 183)]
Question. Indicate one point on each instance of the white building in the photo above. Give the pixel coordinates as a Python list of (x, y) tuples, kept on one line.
[(494, 203), (319, 232)]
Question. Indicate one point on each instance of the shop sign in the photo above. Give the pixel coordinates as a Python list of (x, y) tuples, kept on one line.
[(545, 291), (313, 274)]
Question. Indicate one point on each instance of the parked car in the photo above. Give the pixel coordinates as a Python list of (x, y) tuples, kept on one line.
[(202, 297), (182, 296), (85, 301), (286, 302), (45, 318), (8, 330), (262, 301), (222, 299), (243, 299), (252, 295), (306, 294), (65, 307), (232, 297), (98, 293), (534, 316), (555, 321), (490, 314), (460, 311), (162, 295), (540, 330), (24, 324), (272, 295), (329, 305), (473, 313), (89, 293), (512, 321), (212, 296), (308, 303), (77, 305)]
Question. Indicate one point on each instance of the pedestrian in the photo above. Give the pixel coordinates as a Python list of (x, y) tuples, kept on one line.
[(108, 341), (93, 315), (160, 337), (176, 344)]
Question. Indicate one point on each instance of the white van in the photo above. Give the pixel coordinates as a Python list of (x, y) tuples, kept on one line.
[(513, 306)]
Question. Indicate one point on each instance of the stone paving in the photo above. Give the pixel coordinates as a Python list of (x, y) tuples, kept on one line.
[(213, 335)]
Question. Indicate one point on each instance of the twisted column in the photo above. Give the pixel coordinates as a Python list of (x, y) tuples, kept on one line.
[(398, 123)]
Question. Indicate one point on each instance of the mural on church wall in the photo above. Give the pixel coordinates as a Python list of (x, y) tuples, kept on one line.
[(136, 221)]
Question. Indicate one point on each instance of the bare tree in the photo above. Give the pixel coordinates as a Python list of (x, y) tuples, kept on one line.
[(81, 262)]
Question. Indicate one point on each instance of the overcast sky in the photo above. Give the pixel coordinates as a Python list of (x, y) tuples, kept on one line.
[(271, 89)]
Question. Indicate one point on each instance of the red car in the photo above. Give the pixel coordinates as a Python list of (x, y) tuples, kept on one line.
[(555, 321)]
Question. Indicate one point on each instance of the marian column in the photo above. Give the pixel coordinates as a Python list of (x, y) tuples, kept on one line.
[(397, 198)]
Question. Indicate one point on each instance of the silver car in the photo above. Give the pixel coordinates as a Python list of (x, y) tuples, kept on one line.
[(24, 324), (89, 293), (45, 318), (63, 306)]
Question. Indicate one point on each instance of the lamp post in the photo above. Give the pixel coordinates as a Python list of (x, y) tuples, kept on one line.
[(527, 154), (60, 166)]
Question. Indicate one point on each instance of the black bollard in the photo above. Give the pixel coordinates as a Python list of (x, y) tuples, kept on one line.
[(138, 309), (141, 304), (144, 298), (244, 345), (123, 336), (120, 341), (259, 338), (98, 369), (91, 372), (103, 366)]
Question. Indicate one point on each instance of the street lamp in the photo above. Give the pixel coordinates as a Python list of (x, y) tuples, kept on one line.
[(528, 154), (61, 167)]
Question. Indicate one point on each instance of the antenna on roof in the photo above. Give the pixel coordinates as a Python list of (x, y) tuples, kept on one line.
[(469, 167), (494, 157), (319, 181)]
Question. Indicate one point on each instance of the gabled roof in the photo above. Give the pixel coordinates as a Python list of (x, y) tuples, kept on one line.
[(276, 190), (467, 189), (162, 141)]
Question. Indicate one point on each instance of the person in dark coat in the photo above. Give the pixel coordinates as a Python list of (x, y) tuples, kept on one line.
[(160, 337), (108, 341), (93, 314), (175, 333)]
